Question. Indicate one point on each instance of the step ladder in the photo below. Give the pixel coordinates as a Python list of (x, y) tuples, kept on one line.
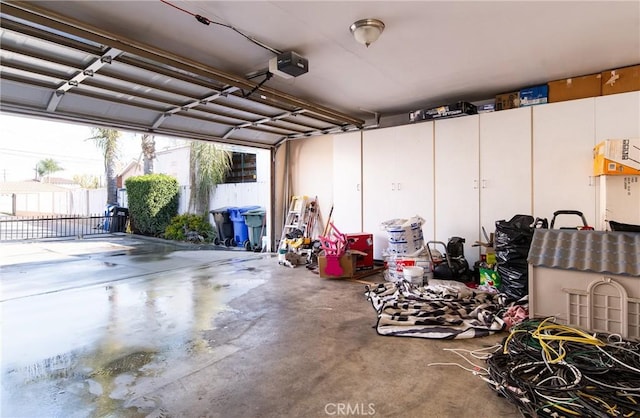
[(299, 223)]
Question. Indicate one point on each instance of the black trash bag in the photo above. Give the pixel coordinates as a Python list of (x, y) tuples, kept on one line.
[(514, 237), (508, 255), (514, 282), (513, 241)]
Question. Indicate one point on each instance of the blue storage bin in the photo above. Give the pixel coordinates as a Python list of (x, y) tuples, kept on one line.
[(240, 229)]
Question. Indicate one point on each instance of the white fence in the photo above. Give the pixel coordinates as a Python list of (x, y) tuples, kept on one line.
[(233, 194), (87, 202), (71, 202), (93, 201)]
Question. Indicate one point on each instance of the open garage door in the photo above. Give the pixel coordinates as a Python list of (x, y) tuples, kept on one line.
[(59, 68)]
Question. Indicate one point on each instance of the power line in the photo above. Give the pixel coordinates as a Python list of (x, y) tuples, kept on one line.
[(47, 154)]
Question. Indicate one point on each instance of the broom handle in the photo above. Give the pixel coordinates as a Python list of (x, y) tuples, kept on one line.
[(326, 227)]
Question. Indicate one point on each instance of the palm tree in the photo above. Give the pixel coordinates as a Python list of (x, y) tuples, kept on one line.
[(148, 145), (46, 167), (107, 141), (208, 166)]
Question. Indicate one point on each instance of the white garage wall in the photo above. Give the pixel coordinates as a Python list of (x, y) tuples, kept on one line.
[(311, 170)]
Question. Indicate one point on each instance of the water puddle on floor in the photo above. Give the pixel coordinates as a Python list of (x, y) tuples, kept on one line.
[(90, 351)]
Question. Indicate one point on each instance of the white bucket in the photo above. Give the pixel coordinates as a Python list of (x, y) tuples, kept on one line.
[(396, 263), (413, 274)]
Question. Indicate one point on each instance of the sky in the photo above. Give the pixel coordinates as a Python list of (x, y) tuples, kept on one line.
[(26, 141)]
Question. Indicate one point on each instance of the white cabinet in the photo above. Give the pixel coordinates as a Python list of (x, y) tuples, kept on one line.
[(563, 141), (482, 173), (347, 182), (463, 173), (505, 165), (397, 169), (618, 116), (457, 166)]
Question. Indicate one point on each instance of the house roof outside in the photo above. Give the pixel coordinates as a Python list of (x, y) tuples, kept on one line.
[(30, 186), (172, 149), (59, 181), (133, 166)]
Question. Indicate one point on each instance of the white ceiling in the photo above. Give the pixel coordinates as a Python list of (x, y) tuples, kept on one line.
[(431, 53)]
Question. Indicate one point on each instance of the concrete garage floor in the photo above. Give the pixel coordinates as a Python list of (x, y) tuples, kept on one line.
[(130, 327)]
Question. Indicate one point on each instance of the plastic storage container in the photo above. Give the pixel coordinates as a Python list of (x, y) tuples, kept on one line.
[(240, 230), (413, 275), (224, 226), (256, 224)]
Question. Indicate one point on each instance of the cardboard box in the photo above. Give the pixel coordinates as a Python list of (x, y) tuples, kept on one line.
[(575, 88), (534, 95), (347, 263), (621, 80), (617, 157), (508, 100), (487, 249), (363, 243)]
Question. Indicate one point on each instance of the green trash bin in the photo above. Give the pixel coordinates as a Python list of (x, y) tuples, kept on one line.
[(256, 224)]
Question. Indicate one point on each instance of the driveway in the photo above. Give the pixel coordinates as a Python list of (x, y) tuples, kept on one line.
[(83, 319), (117, 326)]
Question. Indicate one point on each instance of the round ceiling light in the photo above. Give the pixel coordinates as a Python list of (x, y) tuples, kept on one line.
[(367, 31)]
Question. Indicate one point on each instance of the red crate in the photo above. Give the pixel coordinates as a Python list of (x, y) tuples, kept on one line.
[(362, 242)]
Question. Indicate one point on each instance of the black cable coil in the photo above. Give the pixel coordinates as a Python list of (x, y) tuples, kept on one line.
[(552, 370)]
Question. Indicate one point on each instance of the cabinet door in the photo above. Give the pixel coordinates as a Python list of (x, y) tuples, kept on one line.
[(457, 181), (563, 141), (347, 182), (414, 175), (397, 174), (618, 116), (505, 165)]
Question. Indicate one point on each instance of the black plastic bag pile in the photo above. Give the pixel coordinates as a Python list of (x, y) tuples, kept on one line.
[(512, 242)]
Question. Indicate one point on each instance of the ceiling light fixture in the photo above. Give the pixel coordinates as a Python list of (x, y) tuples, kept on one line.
[(367, 31)]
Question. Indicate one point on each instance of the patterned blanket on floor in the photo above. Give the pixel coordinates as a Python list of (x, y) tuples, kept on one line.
[(437, 311)]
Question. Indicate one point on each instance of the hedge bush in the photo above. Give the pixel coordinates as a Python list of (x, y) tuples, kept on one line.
[(153, 202), (190, 227)]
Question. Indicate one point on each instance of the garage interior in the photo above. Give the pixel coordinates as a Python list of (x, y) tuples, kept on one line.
[(186, 332)]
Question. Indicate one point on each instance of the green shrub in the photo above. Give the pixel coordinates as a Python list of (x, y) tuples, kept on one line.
[(153, 201), (190, 227)]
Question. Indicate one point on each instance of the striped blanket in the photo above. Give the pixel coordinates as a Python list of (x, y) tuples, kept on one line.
[(436, 311)]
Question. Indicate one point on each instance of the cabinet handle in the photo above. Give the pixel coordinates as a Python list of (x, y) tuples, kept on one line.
[(484, 183), (393, 187), (475, 184), (399, 186), (591, 181), (358, 187)]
